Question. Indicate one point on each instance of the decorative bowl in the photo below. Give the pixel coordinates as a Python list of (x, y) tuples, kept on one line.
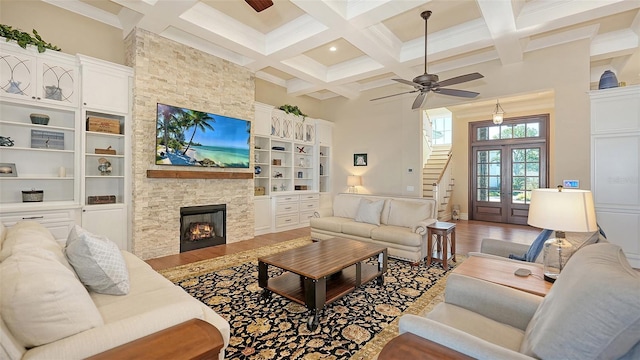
[(39, 119)]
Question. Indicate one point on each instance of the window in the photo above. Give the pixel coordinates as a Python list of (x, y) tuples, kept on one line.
[(508, 131), (442, 129)]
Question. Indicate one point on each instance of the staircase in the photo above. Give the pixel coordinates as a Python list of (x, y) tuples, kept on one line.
[(436, 179)]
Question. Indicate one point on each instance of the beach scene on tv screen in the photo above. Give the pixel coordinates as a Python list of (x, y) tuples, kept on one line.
[(187, 137)]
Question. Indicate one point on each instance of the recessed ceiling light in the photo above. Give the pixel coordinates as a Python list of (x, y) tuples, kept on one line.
[(333, 48)]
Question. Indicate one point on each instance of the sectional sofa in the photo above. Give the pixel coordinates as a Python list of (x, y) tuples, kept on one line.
[(399, 223), (83, 299)]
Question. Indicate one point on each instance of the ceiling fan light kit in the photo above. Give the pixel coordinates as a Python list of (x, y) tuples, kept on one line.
[(498, 114), (430, 82)]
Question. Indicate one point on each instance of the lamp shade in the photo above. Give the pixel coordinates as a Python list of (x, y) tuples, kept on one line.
[(566, 210), (354, 180)]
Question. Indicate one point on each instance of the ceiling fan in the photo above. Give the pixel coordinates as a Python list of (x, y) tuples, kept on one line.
[(429, 82), (259, 5)]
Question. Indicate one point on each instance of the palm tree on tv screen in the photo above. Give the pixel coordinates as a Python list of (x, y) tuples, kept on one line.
[(197, 120)]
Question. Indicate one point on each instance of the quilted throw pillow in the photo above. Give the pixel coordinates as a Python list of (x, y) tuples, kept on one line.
[(98, 262)]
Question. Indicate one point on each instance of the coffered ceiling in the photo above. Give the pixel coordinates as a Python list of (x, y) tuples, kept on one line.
[(376, 40)]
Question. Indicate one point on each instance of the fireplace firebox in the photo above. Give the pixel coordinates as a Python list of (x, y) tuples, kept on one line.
[(202, 226)]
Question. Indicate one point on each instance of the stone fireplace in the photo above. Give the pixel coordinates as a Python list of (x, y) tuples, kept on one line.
[(175, 74), (202, 226)]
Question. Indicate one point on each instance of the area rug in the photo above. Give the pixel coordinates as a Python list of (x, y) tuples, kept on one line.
[(354, 327)]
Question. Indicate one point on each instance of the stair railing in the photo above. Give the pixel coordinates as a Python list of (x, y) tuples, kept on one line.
[(444, 182)]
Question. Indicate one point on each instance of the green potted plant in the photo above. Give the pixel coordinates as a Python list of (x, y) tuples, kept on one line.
[(23, 39), (292, 109)]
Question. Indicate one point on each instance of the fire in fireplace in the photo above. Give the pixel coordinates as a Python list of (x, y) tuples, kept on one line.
[(202, 226)]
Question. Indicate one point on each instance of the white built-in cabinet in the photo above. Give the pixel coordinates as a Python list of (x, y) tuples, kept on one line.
[(287, 163), (615, 166), (67, 88), (105, 94)]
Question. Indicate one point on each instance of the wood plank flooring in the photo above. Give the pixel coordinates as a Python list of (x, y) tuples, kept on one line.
[(469, 234)]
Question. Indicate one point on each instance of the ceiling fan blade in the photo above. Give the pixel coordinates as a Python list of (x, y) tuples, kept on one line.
[(456, 92), (402, 93), (460, 79), (407, 82), (259, 5), (417, 103)]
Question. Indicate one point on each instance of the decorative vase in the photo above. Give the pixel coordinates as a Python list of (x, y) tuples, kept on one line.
[(608, 80)]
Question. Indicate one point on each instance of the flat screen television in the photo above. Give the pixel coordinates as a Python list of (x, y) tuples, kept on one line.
[(186, 137)]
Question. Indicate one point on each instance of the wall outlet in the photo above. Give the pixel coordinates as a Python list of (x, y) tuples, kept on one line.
[(409, 188)]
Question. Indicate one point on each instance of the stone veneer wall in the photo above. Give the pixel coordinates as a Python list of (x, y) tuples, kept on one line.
[(171, 73)]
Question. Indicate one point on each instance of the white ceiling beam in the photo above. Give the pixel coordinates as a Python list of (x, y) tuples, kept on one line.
[(500, 20), (546, 15), (225, 26), (586, 32), (613, 42)]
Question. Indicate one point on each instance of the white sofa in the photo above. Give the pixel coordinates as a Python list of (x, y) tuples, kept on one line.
[(49, 307), (396, 222)]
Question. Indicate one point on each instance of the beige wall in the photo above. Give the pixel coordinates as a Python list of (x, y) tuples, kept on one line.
[(174, 74), (269, 93), (73, 33)]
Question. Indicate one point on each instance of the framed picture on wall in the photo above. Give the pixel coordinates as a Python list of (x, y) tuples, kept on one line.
[(359, 159)]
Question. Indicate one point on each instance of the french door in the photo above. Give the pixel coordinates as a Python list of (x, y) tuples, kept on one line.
[(508, 162)]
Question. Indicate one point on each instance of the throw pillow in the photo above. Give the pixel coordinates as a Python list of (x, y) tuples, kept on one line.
[(24, 236), (407, 213), (591, 312), (98, 262), (42, 301), (369, 211)]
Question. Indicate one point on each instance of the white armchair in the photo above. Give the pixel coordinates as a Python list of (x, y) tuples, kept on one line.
[(591, 312)]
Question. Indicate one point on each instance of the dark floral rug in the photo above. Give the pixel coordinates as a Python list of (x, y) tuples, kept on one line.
[(354, 327)]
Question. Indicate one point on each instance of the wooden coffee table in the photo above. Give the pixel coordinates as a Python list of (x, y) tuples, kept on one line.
[(322, 272), (502, 272)]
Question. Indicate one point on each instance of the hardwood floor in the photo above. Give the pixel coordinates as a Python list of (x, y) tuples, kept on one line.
[(469, 234)]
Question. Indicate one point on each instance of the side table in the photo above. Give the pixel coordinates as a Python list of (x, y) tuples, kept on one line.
[(501, 272), (444, 247)]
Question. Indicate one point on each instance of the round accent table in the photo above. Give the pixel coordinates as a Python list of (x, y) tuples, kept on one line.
[(441, 243)]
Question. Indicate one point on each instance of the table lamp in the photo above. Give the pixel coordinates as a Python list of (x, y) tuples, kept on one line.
[(561, 210), (353, 181)]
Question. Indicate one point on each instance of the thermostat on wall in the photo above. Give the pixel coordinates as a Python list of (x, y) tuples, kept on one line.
[(571, 184)]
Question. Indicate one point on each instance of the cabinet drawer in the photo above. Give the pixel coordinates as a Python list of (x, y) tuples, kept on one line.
[(309, 205), (306, 197), (58, 222), (305, 216), (286, 220), (286, 199), (287, 208)]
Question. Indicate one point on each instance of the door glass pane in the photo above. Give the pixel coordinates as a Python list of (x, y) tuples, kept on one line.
[(525, 174), (519, 131), (506, 132), (483, 133), (533, 129), (488, 178), (494, 132)]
